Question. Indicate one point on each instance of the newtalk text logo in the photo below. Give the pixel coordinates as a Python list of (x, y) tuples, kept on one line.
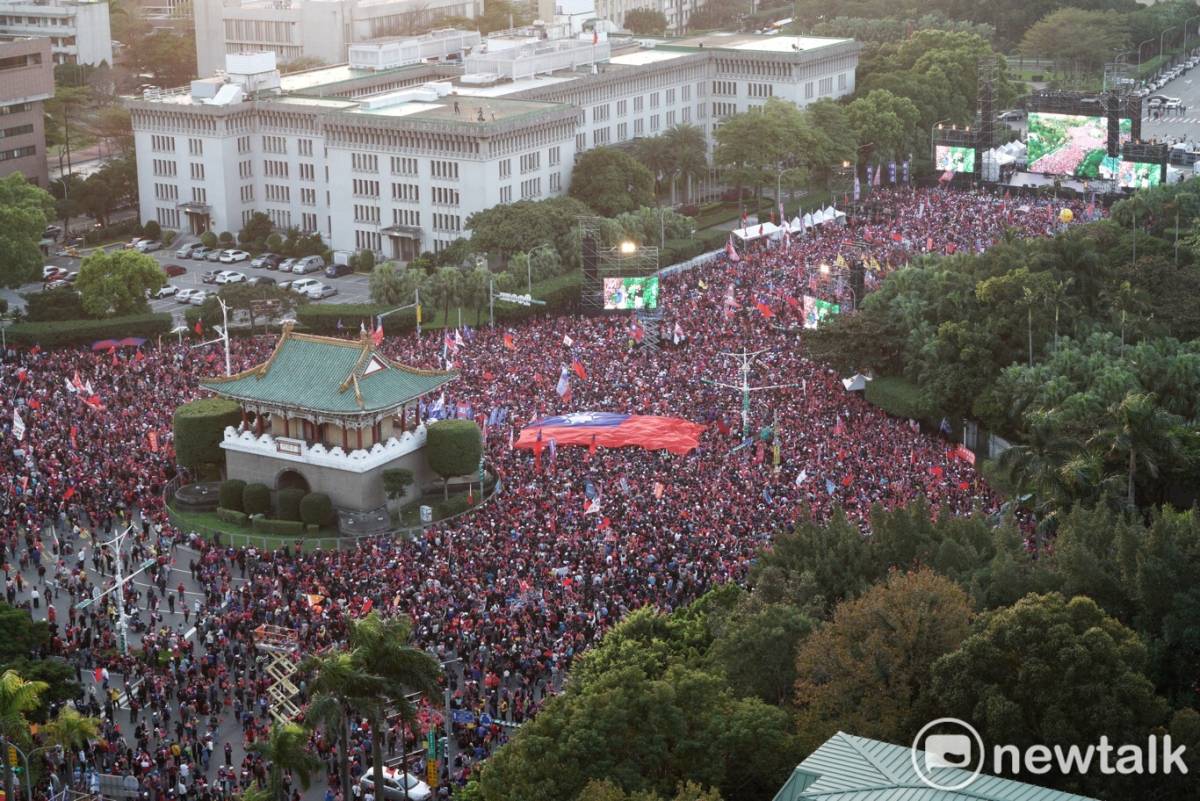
[(954, 743)]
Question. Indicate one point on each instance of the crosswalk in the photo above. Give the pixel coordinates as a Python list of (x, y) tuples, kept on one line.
[(1172, 120)]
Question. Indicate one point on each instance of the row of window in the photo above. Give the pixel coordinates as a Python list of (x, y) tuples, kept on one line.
[(167, 217), (16, 130)]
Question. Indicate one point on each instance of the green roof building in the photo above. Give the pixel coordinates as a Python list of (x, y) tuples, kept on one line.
[(850, 768), (328, 415)]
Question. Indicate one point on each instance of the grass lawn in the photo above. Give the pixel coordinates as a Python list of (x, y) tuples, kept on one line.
[(207, 524)]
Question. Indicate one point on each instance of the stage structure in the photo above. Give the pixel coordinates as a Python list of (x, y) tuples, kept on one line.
[(621, 278)]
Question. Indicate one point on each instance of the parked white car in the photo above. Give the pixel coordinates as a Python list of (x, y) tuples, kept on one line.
[(301, 285), (148, 246), (393, 790), (230, 277), (198, 298), (166, 291), (185, 295), (234, 256)]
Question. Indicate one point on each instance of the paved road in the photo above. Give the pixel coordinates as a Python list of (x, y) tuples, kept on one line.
[(1174, 126)]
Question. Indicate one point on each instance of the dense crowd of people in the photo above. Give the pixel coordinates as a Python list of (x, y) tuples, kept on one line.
[(508, 595)]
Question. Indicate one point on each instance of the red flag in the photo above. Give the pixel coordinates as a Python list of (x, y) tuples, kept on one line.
[(74, 431), (70, 493), (98, 675), (764, 310), (613, 430), (964, 485), (795, 304), (604, 523), (34, 403), (199, 327), (35, 350), (847, 481), (377, 334), (723, 427), (577, 366), (508, 342), (21, 375), (367, 606), (152, 437)]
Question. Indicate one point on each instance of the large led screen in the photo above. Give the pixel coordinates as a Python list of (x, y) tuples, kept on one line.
[(631, 293), (955, 159), (1070, 144), (1139, 175)]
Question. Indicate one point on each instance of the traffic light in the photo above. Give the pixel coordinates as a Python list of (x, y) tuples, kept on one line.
[(12, 756)]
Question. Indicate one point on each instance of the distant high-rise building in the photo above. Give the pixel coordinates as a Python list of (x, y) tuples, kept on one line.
[(78, 30), (26, 80), (316, 29)]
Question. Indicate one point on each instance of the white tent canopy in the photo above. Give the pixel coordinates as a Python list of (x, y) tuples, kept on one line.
[(856, 383), (750, 233)]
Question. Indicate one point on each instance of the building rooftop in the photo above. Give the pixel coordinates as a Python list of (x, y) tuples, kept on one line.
[(640, 58), (755, 42), (471, 107), (850, 768), (324, 374)]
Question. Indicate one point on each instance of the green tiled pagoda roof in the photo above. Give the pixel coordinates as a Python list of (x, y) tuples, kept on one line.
[(324, 374), (850, 768)]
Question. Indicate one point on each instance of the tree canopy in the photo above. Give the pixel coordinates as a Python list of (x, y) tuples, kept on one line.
[(116, 283), (25, 210), (611, 181)]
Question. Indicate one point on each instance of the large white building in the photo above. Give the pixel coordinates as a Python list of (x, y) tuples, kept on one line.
[(78, 30), (320, 29), (396, 159), (678, 13)]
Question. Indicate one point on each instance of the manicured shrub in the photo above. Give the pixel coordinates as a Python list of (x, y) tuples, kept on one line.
[(287, 502), (256, 499), (60, 333), (230, 494), (232, 516), (267, 526), (316, 509), (199, 427)]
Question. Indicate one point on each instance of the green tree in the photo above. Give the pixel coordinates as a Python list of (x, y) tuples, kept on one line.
[(199, 427), (689, 156), (885, 123), (755, 644), (453, 448), (256, 230), (611, 181), (380, 649), (510, 228), (71, 732), (18, 698), (391, 285), (645, 21), (1077, 36), (24, 212), (285, 751), (396, 482), (1141, 433), (117, 283), (1051, 672), (867, 670)]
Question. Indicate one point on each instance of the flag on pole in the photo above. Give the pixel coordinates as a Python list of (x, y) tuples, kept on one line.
[(567, 341), (731, 251), (70, 386), (377, 334), (678, 335), (508, 341), (577, 366), (800, 479), (18, 426), (458, 340), (857, 189), (200, 326), (564, 384)]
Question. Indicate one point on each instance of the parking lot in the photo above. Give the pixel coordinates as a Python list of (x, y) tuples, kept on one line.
[(351, 288)]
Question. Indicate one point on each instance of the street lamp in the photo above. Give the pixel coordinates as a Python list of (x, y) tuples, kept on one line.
[(1162, 39), (529, 265), (937, 126), (628, 247), (1185, 30), (1143, 44)]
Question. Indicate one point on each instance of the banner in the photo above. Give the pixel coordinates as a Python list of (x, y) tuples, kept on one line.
[(18, 426), (613, 430), (816, 310)]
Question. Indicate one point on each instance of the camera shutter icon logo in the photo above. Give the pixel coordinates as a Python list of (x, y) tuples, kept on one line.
[(947, 743)]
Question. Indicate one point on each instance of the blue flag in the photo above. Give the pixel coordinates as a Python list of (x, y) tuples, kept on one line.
[(829, 487)]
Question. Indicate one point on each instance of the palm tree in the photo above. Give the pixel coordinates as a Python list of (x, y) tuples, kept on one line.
[(1143, 433), (1035, 465), (1125, 299), (658, 154), (690, 155), (286, 751), (381, 649), (69, 731), (17, 697), (337, 687)]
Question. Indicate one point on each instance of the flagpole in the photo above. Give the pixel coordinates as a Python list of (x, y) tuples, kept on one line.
[(744, 387)]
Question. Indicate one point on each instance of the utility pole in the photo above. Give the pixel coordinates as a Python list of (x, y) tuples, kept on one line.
[(747, 359), (119, 588), (225, 333)]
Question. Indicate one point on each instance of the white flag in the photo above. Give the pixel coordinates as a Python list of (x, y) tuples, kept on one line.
[(800, 479), (567, 340), (70, 386), (18, 428)]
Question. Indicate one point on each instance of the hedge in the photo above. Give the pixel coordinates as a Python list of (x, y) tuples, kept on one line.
[(199, 427), (316, 509), (232, 516), (322, 318), (61, 333), (256, 499), (453, 448), (287, 503), (269, 526), (230, 495)]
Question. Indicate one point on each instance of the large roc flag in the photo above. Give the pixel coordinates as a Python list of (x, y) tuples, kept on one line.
[(613, 430)]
